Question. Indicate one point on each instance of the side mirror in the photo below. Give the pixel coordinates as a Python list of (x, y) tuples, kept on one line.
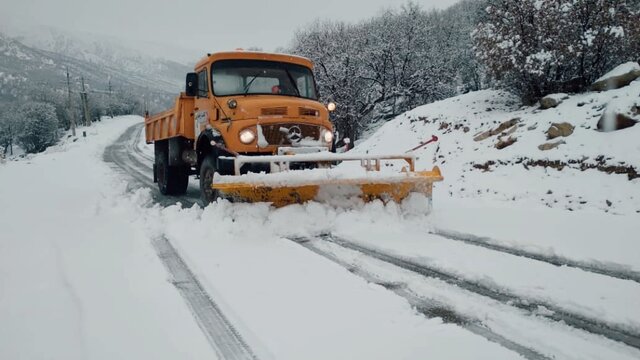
[(191, 88)]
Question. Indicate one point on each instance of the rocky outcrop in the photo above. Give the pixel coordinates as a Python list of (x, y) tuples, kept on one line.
[(551, 145), (503, 143), (559, 130), (502, 127), (553, 100), (619, 77)]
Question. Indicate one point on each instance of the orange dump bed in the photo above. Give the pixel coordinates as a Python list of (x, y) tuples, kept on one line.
[(173, 122)]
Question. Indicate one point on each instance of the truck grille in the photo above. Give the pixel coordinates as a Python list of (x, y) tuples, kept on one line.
[(281, 134), (274, 111)]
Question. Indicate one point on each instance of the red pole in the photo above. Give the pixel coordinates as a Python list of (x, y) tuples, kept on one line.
[(424, 143)]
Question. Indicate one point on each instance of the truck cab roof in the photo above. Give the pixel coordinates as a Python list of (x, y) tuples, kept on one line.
[(253, 55)]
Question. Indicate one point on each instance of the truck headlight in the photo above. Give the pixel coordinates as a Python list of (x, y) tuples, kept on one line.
[(327, 136), (247, 136)]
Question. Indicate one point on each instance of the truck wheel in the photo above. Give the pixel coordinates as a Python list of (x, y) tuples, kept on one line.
[(207, 170), (172, 180)]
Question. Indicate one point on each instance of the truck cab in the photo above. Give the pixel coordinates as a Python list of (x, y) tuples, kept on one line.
[(238, 103)]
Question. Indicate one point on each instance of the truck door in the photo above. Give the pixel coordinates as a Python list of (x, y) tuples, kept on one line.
[(201, 108)]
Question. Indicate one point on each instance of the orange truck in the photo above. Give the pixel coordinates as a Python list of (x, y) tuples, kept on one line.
[(245, 112)]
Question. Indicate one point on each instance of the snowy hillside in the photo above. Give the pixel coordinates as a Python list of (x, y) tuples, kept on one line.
[(141, 59), (491, 149), (88, 46), (26, 71)]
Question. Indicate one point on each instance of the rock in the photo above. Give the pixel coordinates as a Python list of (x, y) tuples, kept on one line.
[(502, 127), (619, 77), (635, 110), (482, 136), (503, 143), (559, 129), (553, 100), (551, 145), (612, 121)]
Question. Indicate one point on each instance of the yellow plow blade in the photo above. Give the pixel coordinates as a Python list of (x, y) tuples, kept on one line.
[(394, 188)]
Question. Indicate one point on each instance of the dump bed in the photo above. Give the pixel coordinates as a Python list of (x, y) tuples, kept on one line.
[(173, 122)]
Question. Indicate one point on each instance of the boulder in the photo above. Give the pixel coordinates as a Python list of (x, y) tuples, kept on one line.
[(619, 77), (502, 127), (612, 121), (559, 129), (482, 136), (553, 100), (503, 143), (551, 145)]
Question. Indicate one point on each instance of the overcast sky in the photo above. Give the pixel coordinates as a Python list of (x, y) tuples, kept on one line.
[(207, 25)]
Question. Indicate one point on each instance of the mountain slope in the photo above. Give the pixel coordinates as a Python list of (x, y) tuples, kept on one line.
[(25, 70)]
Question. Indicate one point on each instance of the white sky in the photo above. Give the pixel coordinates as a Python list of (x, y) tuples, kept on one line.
[(206, 25)]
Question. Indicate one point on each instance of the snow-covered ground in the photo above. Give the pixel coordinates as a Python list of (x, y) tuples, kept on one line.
[(80, 279), (586, 215)]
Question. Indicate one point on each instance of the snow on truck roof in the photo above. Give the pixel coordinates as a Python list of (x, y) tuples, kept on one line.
[(254, 55)]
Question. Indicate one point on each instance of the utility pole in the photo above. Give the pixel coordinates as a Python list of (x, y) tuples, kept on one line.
[(110, 99), (72, 118), (85, 104), (11, 135)]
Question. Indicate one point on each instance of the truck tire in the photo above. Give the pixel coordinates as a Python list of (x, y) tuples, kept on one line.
[(172, 180), (207, 169)]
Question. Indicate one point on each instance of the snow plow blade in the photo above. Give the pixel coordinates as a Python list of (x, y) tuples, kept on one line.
[(284, 187)]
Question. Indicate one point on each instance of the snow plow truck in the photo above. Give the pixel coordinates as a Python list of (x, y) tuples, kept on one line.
[(250, 126)]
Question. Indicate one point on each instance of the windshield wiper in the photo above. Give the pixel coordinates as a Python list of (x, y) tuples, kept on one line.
[(295, 87), (246, 88)]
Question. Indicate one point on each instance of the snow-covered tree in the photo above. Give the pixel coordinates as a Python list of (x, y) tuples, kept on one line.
[(535, 47), (8, 129), (38, 126), (393, 62), (338, 70)]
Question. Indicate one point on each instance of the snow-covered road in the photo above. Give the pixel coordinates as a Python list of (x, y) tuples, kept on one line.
[(306, 281)]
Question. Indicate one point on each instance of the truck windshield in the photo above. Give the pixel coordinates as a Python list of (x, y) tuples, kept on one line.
[(238, 77)]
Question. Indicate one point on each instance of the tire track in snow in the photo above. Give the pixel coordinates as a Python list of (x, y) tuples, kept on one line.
[(223, 337), (574, 320), (123, 153), (137, 148), (487, 243), (225, 340), (429, 307)]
